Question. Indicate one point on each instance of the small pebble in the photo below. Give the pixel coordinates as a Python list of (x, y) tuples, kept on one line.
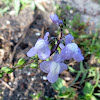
[(67, 78), (37, 34), (9, 83), (44, 78), (34, 93), (12, 12), (71, 11), (33, 78), (28, 73), (7, 22)]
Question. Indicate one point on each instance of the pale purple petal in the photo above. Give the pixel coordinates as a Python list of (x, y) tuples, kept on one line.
[(72, 47), (44, 53), (46, 36), (61, 45), (40, 44), (52, 78), (68, 38), (57, 58), (54, 18), (66, 53), (62, 67), (32, 52), (45, 66), (78, 57)]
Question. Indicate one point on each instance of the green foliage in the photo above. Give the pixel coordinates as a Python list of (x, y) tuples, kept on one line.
[(87, 92), (82, 71), (6, 7), (7, 2), (21, 62), (20, 4), (7, 70), (4, 10), (90, 44), (1, 74), (17, 6), (59, 85), (48, 98), (69, 93), (63, 92), (33, 65), (36, 97), (68, 7)]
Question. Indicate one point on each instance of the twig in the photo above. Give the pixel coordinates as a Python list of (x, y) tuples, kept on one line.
[(13, 53), (4, 83), (42, 32), (23, 65)]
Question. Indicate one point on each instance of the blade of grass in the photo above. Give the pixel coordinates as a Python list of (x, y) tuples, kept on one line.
[(77, 77), (84, 76)]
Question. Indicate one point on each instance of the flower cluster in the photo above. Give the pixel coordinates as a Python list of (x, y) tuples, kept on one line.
[(57, 65)]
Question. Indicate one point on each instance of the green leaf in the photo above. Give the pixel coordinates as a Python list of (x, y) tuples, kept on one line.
[(97, 94), (1, 75), (6, 69), (84, 76), (36, 97), (77, 77), (68, 7), (71, 69), (33, 65), (59, 85), (21, 62), (39, 6), (17, 6), (87, 88), (81, 67), (33, 5), (84, 36), (69, 93)]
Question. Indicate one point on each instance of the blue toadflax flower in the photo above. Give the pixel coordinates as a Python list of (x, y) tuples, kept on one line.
[(53, 68), (71, 50), (55, 19), (41, 48)]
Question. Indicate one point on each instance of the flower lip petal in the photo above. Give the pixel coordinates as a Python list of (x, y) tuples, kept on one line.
[(44, 53), (32, 52), (73, 47), (45, 66), (68, 38), (78, 57), (40, 44), (66, 53), (62, 67), (54, 68), (52, 78)]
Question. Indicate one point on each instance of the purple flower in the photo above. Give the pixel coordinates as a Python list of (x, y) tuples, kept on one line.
[(68, 38), (55, 19), (53, 68), (41, 48), (71, 50)]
